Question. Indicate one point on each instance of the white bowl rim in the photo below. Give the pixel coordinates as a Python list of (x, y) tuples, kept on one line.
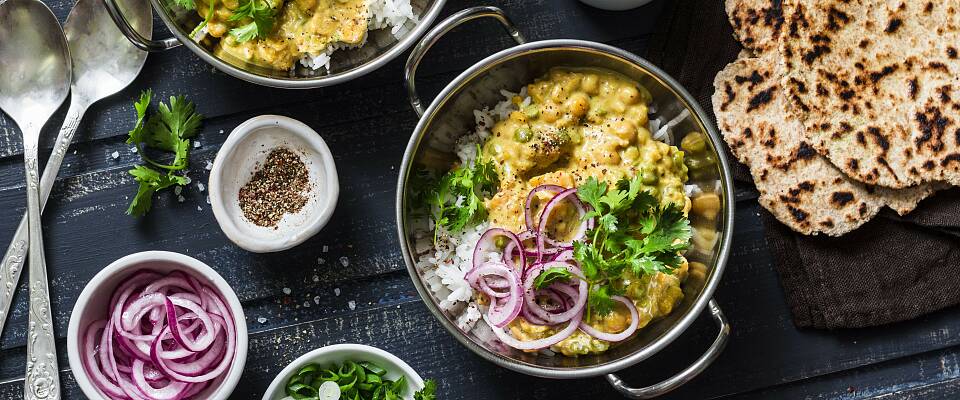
[(279, 380), (316, 222), (129, 261)]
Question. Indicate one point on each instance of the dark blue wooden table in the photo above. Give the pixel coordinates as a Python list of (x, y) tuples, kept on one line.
[(305, 298)]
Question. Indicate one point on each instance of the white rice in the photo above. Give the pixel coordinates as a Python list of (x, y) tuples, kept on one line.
[(398, 15)]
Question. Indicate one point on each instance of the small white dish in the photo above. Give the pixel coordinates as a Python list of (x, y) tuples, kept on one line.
[(615, 5), (93, 304), (243, 151), (339, 353)]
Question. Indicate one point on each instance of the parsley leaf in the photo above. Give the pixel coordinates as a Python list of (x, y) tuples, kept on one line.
[(261, 16), (170, 129), (632, 232), (457, 199), (551, 275)]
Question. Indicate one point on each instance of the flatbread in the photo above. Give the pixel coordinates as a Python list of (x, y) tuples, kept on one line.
[(757, 24), (875, 83), (800, 187)]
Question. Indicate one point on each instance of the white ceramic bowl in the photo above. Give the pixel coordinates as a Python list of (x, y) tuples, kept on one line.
[(93, 305), (615, 5), (246, 147), (339, 353)]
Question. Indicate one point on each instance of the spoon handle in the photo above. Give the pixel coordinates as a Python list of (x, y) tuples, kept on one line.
[(16, 254), (42, 379)]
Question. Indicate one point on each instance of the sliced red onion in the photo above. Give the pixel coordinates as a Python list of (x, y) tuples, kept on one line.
[(528, 206), (571, 196), (501, 315), (167, 338), (488, 242), (172, 391), (616, 337), (551, 340), (529, 296), (95, 371)]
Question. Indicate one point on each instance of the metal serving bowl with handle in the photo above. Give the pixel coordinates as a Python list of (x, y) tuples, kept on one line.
[(450, 115), (346, 64)]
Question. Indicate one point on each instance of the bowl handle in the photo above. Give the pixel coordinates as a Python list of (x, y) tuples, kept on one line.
[(686, 375), (441, 29), (135, 37)]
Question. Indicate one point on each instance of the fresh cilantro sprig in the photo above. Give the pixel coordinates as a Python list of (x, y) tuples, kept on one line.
[(169, 129), (633, 231), (260, 15), (457, 198)]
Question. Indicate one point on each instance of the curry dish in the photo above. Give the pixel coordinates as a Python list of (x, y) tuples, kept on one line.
[(582, 123), (302, 27)]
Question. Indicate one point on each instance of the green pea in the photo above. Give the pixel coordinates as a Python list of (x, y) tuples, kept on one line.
[(532, 111), (694, 163), (693, 142), (677, 158), (649, 176), (523, 135), (500, 242)]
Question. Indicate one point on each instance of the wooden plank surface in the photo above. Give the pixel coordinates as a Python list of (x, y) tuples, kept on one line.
[(367, 123)]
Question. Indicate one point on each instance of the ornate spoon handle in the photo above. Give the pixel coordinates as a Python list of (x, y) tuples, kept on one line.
[(42, 380), (16, 254)]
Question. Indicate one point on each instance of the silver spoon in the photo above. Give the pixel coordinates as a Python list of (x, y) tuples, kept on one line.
[(104, 62), (35, 66)]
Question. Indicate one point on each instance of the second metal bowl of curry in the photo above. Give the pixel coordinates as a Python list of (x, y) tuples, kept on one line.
[(451, 115), (352, 61)]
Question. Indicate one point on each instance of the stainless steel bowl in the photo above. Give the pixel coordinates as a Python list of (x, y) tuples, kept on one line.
[(451, 115), (346, 64)]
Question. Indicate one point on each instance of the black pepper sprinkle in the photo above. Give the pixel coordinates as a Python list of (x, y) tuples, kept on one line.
[(278, 186)]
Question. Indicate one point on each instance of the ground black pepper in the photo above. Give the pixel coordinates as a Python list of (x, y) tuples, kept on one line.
[(279, 186)]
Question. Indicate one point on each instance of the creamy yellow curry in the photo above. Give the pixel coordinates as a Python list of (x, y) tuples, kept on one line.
[(581, 123), (301, 27)]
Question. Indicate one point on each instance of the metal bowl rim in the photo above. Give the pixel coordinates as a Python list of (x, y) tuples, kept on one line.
[(426, 20), (672, 332)]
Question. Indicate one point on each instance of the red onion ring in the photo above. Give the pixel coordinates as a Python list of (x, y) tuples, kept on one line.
[(487, 243), (501, 315), (528, 205), (579, 298), (616, 337), (585, 224)]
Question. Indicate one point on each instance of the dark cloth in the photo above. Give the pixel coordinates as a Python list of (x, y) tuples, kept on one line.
[(891, 269)]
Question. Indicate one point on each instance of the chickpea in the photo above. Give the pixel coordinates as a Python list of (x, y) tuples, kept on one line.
[(617, 106), (572, 83), (624, 130), (693, 142), (631, 154), (558, 94), (616, 321), (578, 104), (590, 84), (628, 94), (612, 157), (706, 205), (643, 135), (550, 112)]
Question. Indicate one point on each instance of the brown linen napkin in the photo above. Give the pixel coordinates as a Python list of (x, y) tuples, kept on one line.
[(891, 269)]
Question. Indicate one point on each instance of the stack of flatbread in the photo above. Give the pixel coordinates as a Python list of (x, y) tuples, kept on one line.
[(842, 107)]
